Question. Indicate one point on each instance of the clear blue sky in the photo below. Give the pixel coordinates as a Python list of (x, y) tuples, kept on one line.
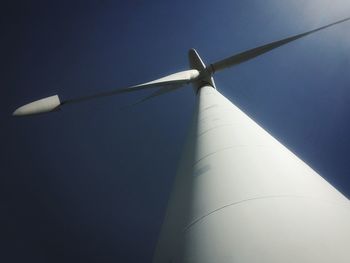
[(90, 183)]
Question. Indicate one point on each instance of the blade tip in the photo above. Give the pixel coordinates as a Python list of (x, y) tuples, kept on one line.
[(39, 106), (17, 112)]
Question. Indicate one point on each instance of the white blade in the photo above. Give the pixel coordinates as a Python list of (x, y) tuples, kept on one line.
[(40, 106), (252, 53), (158, 92), (53, 103)]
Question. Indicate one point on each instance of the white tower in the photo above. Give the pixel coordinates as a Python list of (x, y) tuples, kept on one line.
[(241, 196)]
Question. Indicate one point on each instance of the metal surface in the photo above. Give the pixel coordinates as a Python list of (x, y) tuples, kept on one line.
[(241, 196)]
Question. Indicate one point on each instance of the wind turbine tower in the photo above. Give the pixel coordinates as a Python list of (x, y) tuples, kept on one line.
[(239, 196)]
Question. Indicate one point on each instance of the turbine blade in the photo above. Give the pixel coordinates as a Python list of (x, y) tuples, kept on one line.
[(159, 92), (252, 53), (47, 104), (53, 103), (183, 77)]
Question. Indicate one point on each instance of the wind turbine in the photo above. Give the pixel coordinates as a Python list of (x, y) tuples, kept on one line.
[(239, 194)]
